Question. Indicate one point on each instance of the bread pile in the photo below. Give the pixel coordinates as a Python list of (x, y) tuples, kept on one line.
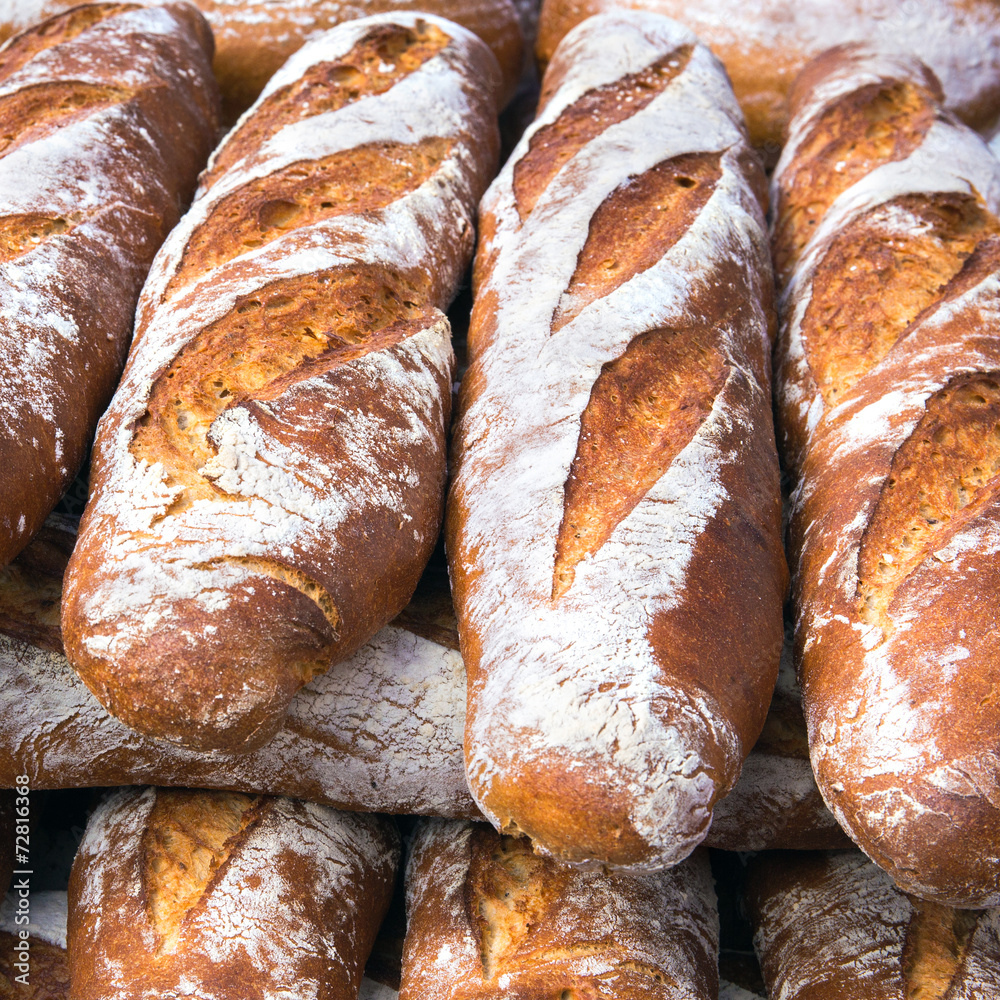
[(290, 745)]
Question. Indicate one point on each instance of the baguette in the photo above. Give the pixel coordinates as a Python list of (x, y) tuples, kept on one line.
[(888, 395), (488, 920), (107, 113), (276, 449), (613, 452), (834, 927), (253, 38), (764, 45), (212, 894)]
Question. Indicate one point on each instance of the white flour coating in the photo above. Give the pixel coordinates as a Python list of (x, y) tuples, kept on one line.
[(48, 917), (273, 904), (600, 923), (381, 733), (882, 744), (526, 422), (847, 920), (951, 159), (99, 176), (370, 990), (296, 502)]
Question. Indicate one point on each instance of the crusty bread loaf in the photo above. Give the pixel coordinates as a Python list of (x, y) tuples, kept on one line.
[(889, 407), (763, 45), (211, 895), (107, 113), (276, 450), (614, 526), (46, 976), (489, 920), (253, 38), (834, 927), (383, 733)]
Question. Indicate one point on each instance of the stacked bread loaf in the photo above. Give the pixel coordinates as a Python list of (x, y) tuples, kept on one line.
[(764, 45), (276, 448), (834, 927), (106, 116), (613, 446), (886, 240), (487, 919)]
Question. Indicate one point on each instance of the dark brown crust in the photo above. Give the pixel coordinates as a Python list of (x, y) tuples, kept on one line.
[(166, 118), (518, 927), (240, 935), (6, 839), (48, 971)]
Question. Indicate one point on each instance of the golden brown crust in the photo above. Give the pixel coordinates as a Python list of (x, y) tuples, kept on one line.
[(888, 395), (487, 919), (291, 369), (190, 894), (48, 971), (605, 371), (98, 157)]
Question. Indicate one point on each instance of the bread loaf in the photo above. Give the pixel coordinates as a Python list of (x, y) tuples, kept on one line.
[(889, 403), (613, 453), (383, 733), (47, 974), (276, 450), (764, 45), (107, 113), (212, 894), (487, 919), (253, 38), (834, 927)]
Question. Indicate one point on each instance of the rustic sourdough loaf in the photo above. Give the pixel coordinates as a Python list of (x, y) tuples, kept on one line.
[(276, 451), (212, 895), (47, 976), (489, 920), (107, 113), (763, 45), (253, 38), (888, 396), (834, 927), (613, 528)]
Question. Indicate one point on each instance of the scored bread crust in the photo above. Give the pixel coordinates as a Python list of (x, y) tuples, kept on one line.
[(107, 114), (613, 525), (253, 38), (834, 927), (764, 45), (489, 920), (275, 453), (213, 894), (889, 405)]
